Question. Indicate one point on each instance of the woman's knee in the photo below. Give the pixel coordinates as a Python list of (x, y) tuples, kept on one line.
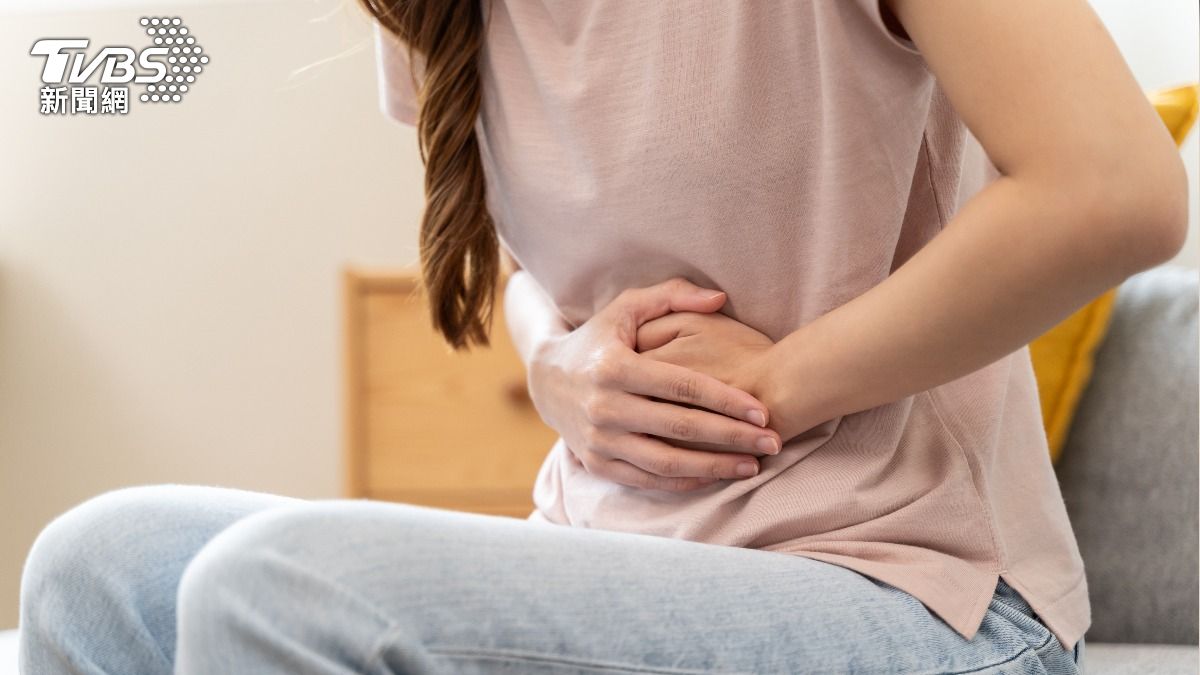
[(262, 550), (99, 537), (253, 568), (289, 575), (266, 561), (105, 573), (123, 538), (99, 559), (230, 568)]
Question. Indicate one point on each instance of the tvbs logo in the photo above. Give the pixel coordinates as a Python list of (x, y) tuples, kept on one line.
[(168, 69)]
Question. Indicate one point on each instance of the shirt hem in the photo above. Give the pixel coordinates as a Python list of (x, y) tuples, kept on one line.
[(964, 618), (1068, 616)]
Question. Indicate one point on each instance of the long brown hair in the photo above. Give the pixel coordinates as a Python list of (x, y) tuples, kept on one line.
[(460, 257)]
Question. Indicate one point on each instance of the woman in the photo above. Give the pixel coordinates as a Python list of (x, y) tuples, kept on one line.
[(746, 234)]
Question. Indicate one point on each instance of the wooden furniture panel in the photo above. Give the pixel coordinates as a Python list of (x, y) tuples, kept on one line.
[(426, 425)]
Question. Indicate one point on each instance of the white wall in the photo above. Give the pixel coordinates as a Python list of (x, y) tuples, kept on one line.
[(169, 305), (1159, 40)]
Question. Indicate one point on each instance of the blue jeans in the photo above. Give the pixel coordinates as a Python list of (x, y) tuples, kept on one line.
[(206, 580)]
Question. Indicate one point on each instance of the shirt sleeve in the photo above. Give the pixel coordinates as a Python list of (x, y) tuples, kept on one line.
[(398, 83), (876, 12)]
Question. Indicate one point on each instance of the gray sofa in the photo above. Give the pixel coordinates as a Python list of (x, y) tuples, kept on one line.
[(1129, 478)]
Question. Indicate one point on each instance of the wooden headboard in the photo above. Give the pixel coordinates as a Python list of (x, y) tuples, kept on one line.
[(426, 425)]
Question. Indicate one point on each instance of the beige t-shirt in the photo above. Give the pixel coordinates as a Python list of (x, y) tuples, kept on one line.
[(792, 154)]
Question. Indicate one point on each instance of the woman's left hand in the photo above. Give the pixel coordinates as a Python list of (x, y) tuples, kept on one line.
[(713, 344)]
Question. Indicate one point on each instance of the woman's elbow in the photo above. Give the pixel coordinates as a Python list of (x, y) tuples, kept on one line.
[(1174, 216), (1144, 209)]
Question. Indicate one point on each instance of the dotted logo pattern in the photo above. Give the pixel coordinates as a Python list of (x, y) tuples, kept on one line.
[(185, 60)]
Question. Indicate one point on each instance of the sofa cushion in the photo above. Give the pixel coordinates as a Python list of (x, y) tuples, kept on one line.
[(1118, 659), (1063, 359), (1129, 468)]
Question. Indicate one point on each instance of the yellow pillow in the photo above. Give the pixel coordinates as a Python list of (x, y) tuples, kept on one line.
[(1063, 356)]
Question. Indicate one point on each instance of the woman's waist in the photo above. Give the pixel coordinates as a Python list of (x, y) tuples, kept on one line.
[(869, 467), (774, 291)]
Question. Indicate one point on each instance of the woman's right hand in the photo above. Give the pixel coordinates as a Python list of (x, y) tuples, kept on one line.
[(593, 388)]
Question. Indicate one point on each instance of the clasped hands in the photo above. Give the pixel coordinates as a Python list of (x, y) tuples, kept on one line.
[(660, 391)]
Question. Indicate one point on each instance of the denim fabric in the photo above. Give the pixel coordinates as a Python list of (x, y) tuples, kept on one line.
[(206, 580)]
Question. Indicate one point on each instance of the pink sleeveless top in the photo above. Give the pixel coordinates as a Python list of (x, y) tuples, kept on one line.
[(792, 154)]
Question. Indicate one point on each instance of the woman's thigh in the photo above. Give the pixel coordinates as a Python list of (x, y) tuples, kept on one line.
[(348, 587)]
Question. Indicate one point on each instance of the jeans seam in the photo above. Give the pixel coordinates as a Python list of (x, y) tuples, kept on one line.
[(1036, 650), (527, 656), (990, 666)]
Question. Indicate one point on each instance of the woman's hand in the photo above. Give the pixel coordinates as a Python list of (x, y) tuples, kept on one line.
[(724, 348), (594, 389), (713, 343)]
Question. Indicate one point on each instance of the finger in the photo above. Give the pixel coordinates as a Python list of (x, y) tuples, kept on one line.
[(620, 471), (688, 424), (664, 459), (669, 382), (636, 306), (658, 332)]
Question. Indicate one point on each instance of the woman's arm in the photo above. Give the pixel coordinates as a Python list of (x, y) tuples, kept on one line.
[(1092, 191), (531, 319)]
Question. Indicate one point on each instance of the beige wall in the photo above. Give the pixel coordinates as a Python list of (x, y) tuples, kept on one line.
[(169, 305), (168, 281)]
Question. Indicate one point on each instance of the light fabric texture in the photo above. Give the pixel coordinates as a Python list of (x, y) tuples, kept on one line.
[(792, 154), (1130, 468), (206, 581)]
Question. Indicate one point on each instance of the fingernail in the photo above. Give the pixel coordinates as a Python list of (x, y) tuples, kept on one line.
[(757, 417), (747, 469), (709, 294), (768, 445)]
